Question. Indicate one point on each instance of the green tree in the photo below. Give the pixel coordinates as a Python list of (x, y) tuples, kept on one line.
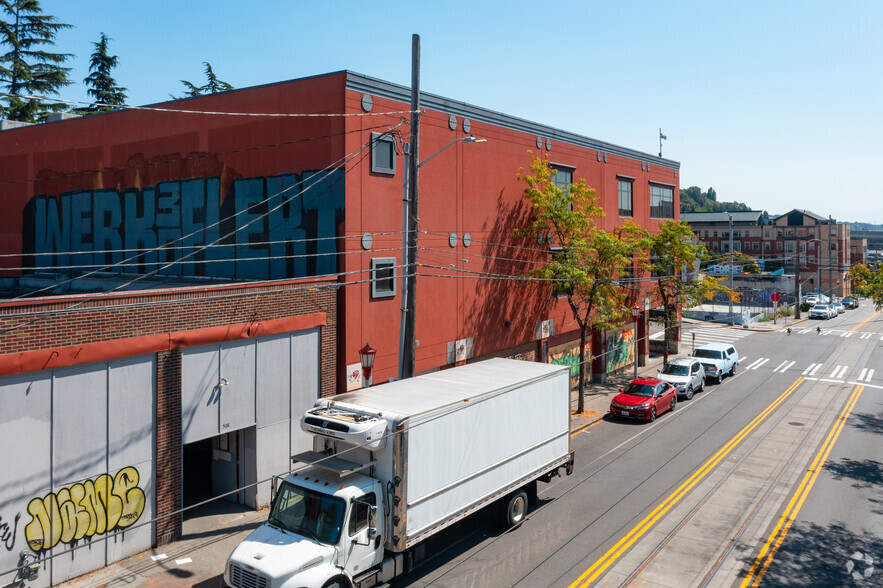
[(28, 68), (102, 87), (590, 259), (673, 255), (748, 263), (868, 282), (711, 194), (212, 86)]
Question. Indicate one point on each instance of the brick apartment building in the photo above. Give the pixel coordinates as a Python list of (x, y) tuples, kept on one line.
[(818, 249)]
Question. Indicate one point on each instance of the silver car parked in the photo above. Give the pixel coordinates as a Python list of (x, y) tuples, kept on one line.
[(686, 374)]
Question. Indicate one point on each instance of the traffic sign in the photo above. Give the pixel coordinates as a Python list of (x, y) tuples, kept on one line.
[(774, 296)]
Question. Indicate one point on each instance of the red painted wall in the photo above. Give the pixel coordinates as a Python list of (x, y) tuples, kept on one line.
[(466, 188)]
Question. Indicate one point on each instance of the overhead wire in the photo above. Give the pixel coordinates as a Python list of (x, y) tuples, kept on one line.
[(121, 107), (331, 169)]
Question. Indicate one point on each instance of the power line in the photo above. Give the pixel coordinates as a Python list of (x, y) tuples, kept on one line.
[(331, 169), (194, 157), (120, 107)]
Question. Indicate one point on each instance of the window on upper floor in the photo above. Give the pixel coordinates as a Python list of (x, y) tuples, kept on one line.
[(383, 154), (383, 277), (625, 198), (662, 201)]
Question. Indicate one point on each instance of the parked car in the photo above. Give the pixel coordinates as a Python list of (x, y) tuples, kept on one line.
[(644, 398), (717, 359), (686, 374), (820, 311), (812, 299), (839, 307), (850, 302)]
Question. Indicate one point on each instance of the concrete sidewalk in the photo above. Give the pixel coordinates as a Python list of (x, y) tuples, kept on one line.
[(212, 531)]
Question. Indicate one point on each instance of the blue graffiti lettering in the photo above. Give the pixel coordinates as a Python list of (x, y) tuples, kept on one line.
[(282, 226)]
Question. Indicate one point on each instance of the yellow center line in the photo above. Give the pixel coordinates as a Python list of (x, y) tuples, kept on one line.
[(617, 550), (864, 321), (769, 549)]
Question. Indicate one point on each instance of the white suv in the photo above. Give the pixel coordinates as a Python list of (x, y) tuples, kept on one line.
[(718, 359), (686, 374)]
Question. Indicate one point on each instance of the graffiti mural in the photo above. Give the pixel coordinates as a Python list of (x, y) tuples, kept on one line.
[(82, 510), (569, 355), (263, 228), (7, 533), (620, 349)]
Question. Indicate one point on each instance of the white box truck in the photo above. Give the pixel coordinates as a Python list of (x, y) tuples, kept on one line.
[(394, 464)]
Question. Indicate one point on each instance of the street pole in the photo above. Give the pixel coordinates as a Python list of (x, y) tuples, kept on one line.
[(409, 344), (731, 267)]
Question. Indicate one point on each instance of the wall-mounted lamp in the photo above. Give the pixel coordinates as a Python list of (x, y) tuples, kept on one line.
[(366, 357)]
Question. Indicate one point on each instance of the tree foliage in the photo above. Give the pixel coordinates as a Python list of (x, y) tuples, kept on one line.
[(673, 254), (693, 199), (588, 260), (102, 86), (28, 67), (213, 85), (868, 282)]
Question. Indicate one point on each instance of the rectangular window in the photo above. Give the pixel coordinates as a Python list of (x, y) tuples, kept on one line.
[(766, 245), (778, 245), (563, 177), (383, 277), (625, 198), (715, 233), (662, 202), (360, 518), (706, 233), (755, 245), (383, 154), (559, 290)]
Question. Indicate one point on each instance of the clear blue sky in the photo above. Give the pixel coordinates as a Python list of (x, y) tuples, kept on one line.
[(775, 104)]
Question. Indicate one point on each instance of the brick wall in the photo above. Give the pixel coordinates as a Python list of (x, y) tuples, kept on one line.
[(168, 446)]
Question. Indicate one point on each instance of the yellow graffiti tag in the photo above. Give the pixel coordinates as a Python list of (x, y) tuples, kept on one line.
[(83, 510)]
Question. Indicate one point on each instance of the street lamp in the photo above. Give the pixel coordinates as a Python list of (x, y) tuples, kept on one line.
[(636, 313), (408, 320), (366, 357)]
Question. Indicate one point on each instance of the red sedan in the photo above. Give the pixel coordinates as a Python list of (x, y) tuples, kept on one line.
[(644, 398)]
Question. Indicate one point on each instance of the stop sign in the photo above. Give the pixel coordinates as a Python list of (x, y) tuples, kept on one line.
[(774, 296)]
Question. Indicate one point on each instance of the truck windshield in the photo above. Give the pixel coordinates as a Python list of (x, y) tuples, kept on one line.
[(707, 354), (308, 513)]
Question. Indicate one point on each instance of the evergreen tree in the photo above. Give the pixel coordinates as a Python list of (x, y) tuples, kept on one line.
[(27, 68), (103, 88), (212, 86)]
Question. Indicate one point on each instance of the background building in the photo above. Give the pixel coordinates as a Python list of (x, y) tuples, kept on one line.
[(816, 248)]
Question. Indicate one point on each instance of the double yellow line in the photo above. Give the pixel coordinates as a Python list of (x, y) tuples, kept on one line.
[(768, 551), (598, 568)]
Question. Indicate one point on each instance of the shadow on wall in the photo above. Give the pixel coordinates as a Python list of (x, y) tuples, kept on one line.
[(500, 300)]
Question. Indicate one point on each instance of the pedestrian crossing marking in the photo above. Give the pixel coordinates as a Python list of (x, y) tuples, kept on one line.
[(865, 336), (785, 365), (812, 369), (838, 372), (757, 363)]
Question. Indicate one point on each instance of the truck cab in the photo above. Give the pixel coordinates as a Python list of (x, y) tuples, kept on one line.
[(322, 529)]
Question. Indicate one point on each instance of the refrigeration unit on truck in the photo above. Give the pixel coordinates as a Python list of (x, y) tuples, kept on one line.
[(396, 463)]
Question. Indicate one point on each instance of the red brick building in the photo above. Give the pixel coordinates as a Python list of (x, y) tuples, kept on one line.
[(284, 203)]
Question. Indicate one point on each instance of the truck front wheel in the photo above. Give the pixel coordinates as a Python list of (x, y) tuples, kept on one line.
[(337, 582), (516, 509)]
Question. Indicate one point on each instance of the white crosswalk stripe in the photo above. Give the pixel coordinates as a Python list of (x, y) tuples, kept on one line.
[(805, 331), (838, 372), (714, 335), (811, 370), (784, 366), (757, 363), (865, 336)]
